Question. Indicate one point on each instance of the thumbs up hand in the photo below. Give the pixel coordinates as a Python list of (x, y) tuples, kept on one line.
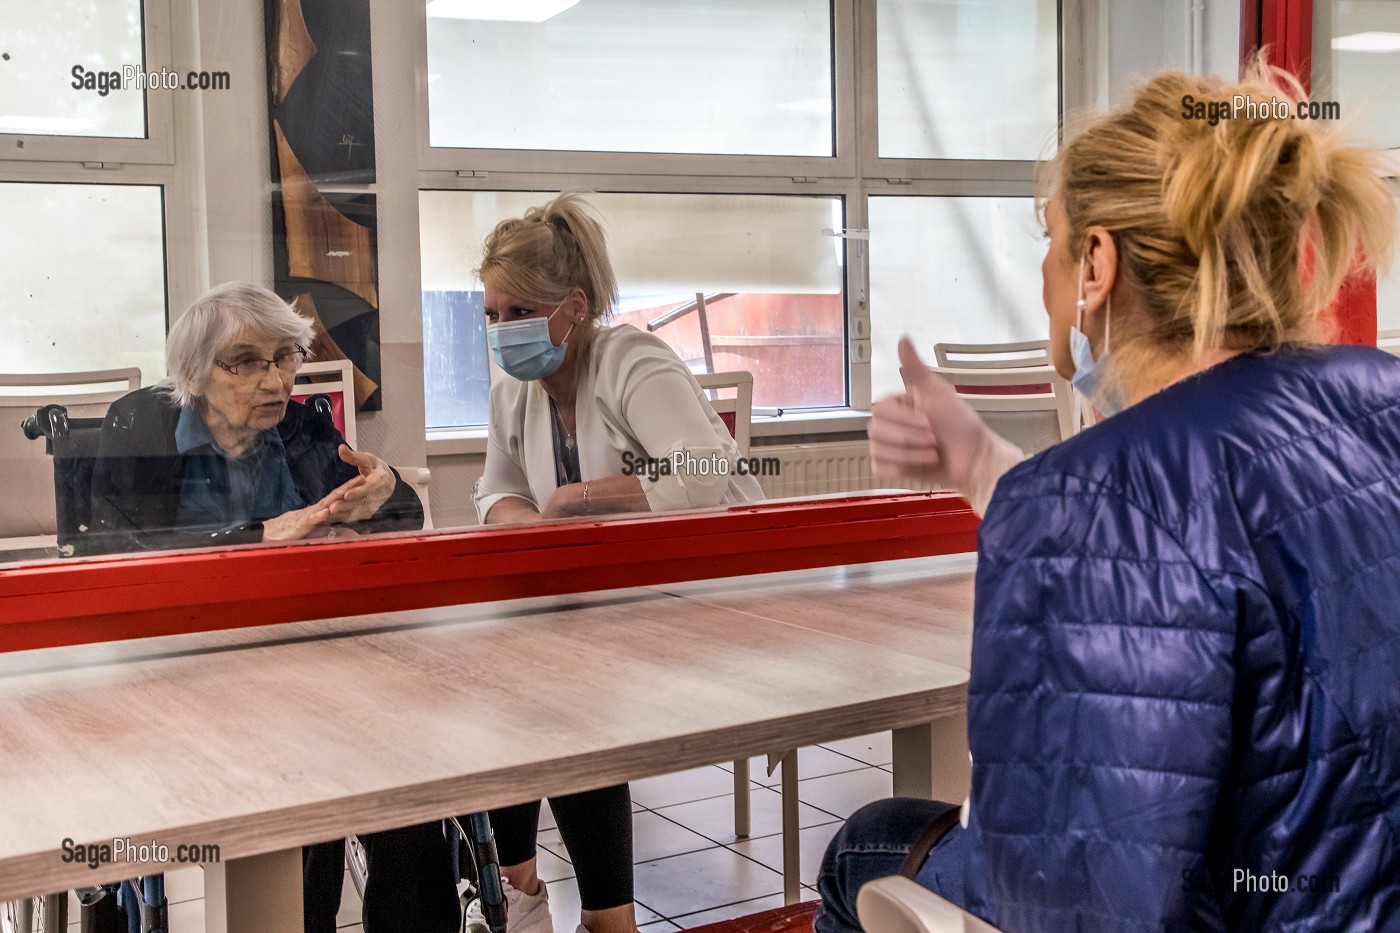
[(931, 435)]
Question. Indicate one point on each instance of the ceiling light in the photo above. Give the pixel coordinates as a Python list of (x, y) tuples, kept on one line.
[(1368, 42), (520, 11)]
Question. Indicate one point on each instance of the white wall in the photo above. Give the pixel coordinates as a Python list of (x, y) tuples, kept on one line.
[(222, 154)]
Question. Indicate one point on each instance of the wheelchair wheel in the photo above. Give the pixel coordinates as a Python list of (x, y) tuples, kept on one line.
[(35, 915)]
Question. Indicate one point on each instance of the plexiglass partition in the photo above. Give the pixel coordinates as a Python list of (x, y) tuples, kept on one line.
[(331, 152)]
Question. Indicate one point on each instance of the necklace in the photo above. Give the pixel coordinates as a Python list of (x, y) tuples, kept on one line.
[(569, 443)]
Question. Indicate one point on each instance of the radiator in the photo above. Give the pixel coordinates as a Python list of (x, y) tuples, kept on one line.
[(816, 469)]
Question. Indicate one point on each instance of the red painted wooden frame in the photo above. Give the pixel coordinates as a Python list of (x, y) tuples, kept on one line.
[(107, 599)]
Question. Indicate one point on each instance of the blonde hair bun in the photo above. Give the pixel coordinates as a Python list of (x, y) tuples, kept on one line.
[(1216, 209)]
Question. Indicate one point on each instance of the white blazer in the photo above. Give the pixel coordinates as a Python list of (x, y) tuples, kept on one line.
[(635, 397)]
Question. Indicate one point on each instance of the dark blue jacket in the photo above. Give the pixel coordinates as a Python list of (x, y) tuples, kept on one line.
[(136, 477), (1186, 663)]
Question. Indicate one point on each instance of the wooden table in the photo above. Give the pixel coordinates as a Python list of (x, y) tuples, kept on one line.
[(261, 740), (920, 608)]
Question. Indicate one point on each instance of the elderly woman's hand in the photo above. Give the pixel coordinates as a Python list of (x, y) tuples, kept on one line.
[(299, 523), (361, 497), (930, 434)]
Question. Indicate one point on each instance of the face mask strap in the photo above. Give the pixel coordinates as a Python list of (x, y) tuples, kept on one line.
[(572, 324), (1081, 305)]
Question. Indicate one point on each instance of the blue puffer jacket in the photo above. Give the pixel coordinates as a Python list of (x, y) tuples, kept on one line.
[(1186, 664)]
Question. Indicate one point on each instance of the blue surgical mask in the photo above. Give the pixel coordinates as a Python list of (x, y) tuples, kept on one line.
[(523, 348), (1088, 378)]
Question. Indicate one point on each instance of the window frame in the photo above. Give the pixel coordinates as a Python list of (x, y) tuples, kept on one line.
[(104, 152)]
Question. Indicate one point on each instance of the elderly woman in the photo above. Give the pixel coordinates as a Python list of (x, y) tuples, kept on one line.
[(219, 455), (584, 422), (1183, 703)]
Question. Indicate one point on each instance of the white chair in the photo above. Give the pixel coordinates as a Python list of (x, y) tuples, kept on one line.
[(1034, 410), (993, 355), (736, 412), (418, 478), (27, 518), (1389, 341), (898, 905), (334, 379)]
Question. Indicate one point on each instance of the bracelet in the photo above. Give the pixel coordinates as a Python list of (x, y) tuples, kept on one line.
[(585, 497)]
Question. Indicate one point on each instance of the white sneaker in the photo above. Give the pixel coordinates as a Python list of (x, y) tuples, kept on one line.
[(525, 913)]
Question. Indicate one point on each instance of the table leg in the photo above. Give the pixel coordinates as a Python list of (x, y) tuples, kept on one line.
[(792, 840), (260, 892), (742, 798), (931, 761)]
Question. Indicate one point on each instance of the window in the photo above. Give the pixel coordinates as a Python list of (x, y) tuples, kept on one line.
[(1388, 295), (967, 80), (722, 76), (746, 282), (84, 278), (740, 155), (959, 270), (1356, 61), (87, 168), (50, 47)]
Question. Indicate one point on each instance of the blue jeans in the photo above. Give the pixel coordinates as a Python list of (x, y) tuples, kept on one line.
[(873, 844)]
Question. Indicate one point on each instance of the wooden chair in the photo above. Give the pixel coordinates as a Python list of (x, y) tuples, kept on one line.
[(28, 520), (898, 905), (333, 379), (1389, 341), (993, 355), (1038, 411)]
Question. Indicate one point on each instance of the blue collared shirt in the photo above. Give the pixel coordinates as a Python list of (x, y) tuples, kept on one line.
[(220, 492)]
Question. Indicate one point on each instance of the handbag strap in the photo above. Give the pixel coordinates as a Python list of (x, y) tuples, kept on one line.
[(930, 838)]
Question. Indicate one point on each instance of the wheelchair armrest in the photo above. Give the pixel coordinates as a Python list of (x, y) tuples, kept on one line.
[(898, 905)]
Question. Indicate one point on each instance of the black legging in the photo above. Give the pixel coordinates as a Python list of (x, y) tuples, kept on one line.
[(410, 888), (597, 829)]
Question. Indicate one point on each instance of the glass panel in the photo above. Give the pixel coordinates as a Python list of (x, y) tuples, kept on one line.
[(1356, 61), (967, 79), (772, 282), (84, 279), (1388, 296), (62, 60), (960, 270), (457, 376), (718, 76)]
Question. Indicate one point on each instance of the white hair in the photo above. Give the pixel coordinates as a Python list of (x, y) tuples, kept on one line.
[(216, 320)]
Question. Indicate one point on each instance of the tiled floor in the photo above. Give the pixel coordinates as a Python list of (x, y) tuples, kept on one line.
[(690, 868)]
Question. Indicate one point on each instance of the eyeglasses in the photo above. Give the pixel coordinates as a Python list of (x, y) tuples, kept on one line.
[(288, 361)]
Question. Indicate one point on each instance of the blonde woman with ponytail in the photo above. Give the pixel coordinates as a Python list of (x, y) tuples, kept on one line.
[(588, 417), (585, 420), (1184, 697)]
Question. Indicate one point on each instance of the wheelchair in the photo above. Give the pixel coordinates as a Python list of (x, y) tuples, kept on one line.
[(139, 905)]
